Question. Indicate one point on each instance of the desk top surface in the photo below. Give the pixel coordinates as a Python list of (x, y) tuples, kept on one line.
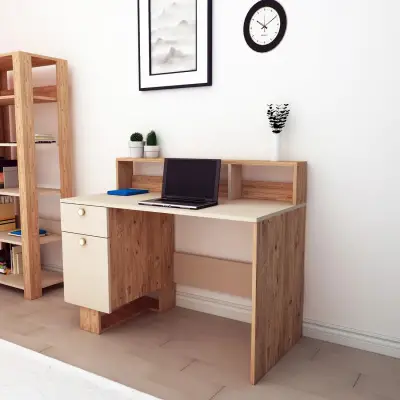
[(242, 210)]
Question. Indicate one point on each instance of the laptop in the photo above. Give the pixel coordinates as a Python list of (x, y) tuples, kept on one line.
[(190, 184)]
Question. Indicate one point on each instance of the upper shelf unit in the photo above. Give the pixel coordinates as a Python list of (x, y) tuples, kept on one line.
[(6, 62), (10, 100)]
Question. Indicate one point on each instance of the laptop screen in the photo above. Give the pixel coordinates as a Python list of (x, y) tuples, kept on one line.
[(191, 178)]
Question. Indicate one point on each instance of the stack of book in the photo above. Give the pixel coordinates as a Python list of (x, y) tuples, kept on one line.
[(8, 173), (45, 138), (16, 260)]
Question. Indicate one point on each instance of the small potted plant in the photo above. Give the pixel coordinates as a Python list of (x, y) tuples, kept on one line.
[(151, 149), (136, 145)]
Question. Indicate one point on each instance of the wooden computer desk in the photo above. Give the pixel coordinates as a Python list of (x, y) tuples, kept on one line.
[(117, 253)]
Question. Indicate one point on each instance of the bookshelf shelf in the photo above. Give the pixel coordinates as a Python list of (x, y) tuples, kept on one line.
[(6, 238), (15, 192), (49, 278), (10, 100), (18, 141)]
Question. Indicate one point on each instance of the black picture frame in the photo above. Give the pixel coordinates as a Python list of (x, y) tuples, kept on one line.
[(246, 26), (208, 78)]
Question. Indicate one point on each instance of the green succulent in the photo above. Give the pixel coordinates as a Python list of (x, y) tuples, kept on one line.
[(136, 137), (151, 139)]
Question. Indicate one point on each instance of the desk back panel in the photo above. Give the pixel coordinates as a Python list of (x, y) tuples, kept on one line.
[(133, 248), (234, 187)]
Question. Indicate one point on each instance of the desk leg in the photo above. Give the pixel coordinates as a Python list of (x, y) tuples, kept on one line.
[(167, 299), (278, 289)]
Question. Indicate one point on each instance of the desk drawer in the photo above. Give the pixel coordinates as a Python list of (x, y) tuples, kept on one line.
[(86, 271), (85, 220)]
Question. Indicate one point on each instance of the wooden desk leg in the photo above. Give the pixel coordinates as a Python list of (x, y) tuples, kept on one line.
[(278, 289), (167, 299)]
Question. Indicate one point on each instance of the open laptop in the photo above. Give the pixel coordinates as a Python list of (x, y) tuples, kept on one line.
[(189, 184)]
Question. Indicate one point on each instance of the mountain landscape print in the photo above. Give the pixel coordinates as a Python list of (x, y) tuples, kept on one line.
[(173, 36)]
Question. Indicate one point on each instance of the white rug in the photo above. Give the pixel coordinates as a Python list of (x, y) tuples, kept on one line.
[(27, 375)]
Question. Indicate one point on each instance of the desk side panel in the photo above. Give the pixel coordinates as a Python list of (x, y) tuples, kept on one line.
[(141, 254), (278, 289)]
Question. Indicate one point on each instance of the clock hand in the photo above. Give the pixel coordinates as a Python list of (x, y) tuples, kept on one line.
[(271, 21), (260, 23)]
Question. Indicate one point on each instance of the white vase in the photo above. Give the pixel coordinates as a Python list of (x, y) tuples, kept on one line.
[(275, 147), (151, 151), (136, 149)]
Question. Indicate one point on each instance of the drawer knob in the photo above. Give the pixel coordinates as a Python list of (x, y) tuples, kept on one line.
[(81, 212), (82, 242)]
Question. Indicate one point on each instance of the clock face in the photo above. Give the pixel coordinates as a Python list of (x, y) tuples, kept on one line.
[(265, 25)]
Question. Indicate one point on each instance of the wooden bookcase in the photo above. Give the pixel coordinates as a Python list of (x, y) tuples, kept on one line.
[(234, 186), (23, 96)]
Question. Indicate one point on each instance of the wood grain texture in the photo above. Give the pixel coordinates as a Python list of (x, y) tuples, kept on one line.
[(151, 183), (275, 191), (64, 132), (141, 254), (90, 320), (6, 60), (300, 183), (96, 322), (124, 174), (230, 277), (4, 118), (27, 174), (166, 299), (48, 91), (234, 182), (278, 289)]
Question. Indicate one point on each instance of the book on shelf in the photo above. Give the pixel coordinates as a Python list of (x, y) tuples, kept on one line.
[(16, 260), (18, 232), (8, 173), (45, 138)]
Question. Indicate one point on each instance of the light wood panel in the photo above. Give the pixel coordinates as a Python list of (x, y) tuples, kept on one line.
[(278, 287), (49, 278), (4, 117), (95, 322), (14, 192), (27, 174), (141, 254), (234, 182), (6, 60), (124, 175), (216, 275), (151, 183), (6, 238), (47, 91), (300, 183), (166, 298), (275, 191), (64, 133)]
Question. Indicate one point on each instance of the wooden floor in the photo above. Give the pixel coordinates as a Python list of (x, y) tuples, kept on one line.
[(184, 355)]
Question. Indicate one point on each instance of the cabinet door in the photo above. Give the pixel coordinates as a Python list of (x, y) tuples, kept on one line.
[(86, 271)]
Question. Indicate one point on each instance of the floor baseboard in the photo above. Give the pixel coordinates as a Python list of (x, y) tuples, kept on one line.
[(239, 309)]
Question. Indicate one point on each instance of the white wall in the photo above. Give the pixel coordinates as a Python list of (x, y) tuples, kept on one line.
[(338, 67)]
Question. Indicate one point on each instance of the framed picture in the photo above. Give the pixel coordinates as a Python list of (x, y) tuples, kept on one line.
[(175, 43)]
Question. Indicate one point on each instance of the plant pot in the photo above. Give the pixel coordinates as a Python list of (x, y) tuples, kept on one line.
[(136, 149), (151, 151), (275, 147)]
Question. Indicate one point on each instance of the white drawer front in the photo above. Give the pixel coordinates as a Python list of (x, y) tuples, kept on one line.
[(85, 220), (86, 271)]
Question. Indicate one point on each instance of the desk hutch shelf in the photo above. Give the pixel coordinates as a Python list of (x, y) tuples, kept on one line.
[(21, 146)]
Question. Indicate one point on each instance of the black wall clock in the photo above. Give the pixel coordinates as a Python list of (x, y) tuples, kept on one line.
[(265, 25)]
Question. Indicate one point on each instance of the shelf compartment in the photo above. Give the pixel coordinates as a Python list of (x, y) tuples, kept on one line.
[(6, 238), (14, 192), (49, 278), (10, 100)]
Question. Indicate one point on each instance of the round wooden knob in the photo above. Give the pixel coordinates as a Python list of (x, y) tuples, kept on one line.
[(82, 242), (81, 212)]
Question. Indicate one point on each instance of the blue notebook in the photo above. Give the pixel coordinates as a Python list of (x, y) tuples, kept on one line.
[(127, 192), (42, 232)]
